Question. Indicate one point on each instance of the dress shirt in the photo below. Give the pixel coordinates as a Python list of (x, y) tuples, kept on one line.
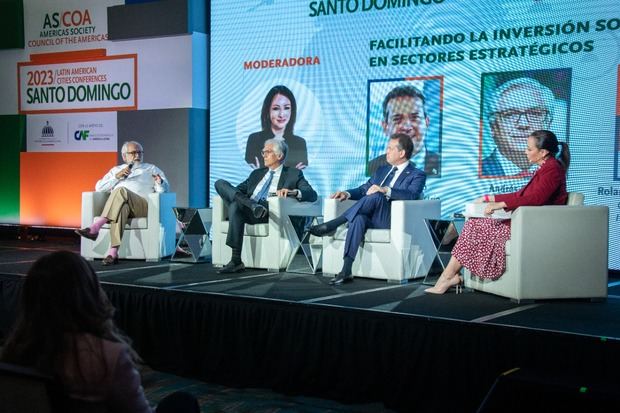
[(399, 170), (273, 187), (140, 180)]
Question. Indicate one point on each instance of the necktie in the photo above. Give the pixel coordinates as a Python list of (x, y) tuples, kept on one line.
[(388, 177), (262, 194)]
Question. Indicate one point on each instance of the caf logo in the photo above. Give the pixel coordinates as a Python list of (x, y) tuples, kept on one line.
[(81, 135)]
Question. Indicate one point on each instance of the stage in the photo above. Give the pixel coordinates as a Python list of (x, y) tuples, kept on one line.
[(366, 341)]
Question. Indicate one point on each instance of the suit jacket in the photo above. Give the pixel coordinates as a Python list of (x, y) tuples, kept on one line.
[(408, 186), (297, 151), (547, 187), (491, 166), (290, 178), (431, 163)]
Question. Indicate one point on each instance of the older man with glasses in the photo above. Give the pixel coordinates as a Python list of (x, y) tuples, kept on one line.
[(517, 108), (247, 201), (129, 184)]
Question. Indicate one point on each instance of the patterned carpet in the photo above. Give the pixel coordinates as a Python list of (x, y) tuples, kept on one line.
[(215, 398)]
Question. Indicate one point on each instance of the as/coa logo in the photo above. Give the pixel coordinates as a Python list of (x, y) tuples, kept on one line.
[(66, 19)]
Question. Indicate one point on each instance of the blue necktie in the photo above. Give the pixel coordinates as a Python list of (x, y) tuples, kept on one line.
[(388, 178), (262, 194)]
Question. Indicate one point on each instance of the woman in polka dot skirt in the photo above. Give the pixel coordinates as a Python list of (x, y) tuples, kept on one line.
[(480, 247)]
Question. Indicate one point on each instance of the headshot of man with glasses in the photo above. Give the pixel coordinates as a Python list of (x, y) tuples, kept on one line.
[(516, 108)]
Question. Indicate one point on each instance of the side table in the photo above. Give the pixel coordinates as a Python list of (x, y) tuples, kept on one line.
[(307, 256), (194, 237), (444, 233)]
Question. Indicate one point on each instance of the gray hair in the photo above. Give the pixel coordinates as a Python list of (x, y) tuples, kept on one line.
[(523, 82), (279, 147), (124, 148)]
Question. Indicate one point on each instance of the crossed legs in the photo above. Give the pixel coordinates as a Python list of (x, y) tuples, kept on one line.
[(121, 205), (450, 277)]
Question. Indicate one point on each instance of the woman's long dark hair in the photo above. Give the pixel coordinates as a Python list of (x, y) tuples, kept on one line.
[(265, 119), (60, 299), (547, 140)]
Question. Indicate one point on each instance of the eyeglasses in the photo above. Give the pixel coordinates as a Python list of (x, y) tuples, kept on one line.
[(534, 116), (266, 152), (134, 153)]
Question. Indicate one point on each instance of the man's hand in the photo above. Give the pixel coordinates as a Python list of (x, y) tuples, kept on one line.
[(340, 196), (157, 179), (123, 173), (376, 188), (300, 166), (284, 192)]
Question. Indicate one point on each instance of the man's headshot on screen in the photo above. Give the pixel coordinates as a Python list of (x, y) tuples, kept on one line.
[(516, 108), (404, 111)]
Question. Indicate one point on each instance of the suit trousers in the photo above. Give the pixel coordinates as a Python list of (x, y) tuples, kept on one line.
[(372, 211), (239, 212), (121, 205)]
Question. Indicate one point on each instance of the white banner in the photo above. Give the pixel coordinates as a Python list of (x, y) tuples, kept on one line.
[(75, 85), (67, 24), (79, 132)]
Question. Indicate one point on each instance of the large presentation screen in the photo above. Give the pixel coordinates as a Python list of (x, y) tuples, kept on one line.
[(468, 81)]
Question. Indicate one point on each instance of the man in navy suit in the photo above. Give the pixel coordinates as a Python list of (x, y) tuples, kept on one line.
[(398, 180), (247, 201)]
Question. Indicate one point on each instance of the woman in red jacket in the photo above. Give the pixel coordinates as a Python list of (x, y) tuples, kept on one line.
[(480, 247)]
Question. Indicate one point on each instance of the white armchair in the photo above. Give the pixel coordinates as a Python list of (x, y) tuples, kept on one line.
[(269, 245), (149, 238), (404, 251), (553, 252)]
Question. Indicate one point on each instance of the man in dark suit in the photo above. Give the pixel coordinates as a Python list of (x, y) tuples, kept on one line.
[(396, 181), (404, 111), (247, 201)]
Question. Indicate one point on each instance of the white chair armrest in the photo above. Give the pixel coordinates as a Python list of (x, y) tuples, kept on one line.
[(291, 206), (545, 240), (407, 220), (333, 208), (575, 198), (160, 209), (92, 205)]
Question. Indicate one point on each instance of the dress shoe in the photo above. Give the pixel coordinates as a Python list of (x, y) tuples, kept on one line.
[(232, 267), (109, 260), (320, 230), (85, 232), (259, 211), (341, 278), (182, 253)]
